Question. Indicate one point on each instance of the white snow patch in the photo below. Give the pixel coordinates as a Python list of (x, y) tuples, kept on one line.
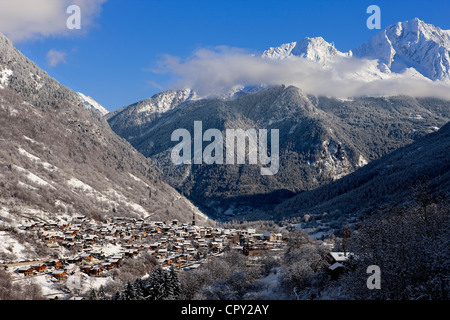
[(29, 155), (78, 184), (91, 103), (9, 245), (32, 140), (141, 181), (32, 177), (136, 207), (32, 157), (4, 76), (362, 161), (293, 128)]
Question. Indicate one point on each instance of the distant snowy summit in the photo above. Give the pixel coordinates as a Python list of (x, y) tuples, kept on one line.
[(158, 103), (411, 44), (163, 102), (314, 49), (412, 48), (92, 104)]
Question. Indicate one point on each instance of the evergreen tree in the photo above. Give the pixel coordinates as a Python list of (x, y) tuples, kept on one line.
[(128, 292), (101, 293), (156, 285), (93, 295), (117, 296), (167, 286), (174, 283), (139, 289)]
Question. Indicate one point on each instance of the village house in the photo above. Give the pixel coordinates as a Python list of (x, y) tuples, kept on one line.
[(70, 269), (86, 269), (340, 257), (114, 262), (40, 267), (59, 274), (269, 236), (96, 270), (90, 239), (27, 226), (26, 270), (172, 243), (86, 257), (335, 270), (57, 264), (63, 225), (50, 238)]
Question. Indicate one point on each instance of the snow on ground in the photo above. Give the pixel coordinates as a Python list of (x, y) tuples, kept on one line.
[(29, 214), (46, 284), (4, 76), (35, 142), (31, 140), (33, 178), (10, 246), (74, 183), (33, 158), (27, 186), (29, 155), (136, 207), (141, 181), (91, 103), (108, 196), (293, 128), (82, 283), (110, 249), (78, 283), (362, 161), (270, 284), (78, 184)]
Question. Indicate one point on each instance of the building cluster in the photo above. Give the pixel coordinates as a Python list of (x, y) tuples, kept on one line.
[(101, 247)]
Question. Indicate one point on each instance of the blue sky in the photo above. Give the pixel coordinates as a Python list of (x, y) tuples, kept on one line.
[(113, 58)]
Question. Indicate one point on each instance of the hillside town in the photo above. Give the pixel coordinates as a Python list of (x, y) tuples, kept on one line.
[(101, 247)]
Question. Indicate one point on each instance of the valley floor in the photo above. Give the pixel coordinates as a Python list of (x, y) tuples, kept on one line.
[(92, 251)]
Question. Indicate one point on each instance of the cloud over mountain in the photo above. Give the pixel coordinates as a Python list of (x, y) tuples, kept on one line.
[(319, 68)]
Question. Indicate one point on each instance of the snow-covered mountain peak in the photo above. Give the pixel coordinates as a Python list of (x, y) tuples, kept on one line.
[(91, 103), (416, 30), (410, 48), (315, 49), (411, 44), (165, 101)]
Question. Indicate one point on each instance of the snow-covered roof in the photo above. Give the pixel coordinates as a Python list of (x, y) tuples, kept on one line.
[(336, 265), (340, 256)]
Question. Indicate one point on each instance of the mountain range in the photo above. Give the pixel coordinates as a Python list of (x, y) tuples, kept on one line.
[(413, 48), (409, 50), (60, 157), (322, 139)]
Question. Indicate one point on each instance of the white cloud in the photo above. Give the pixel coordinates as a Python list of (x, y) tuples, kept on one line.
[(55, 57), (214, 71), (22, 20)]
